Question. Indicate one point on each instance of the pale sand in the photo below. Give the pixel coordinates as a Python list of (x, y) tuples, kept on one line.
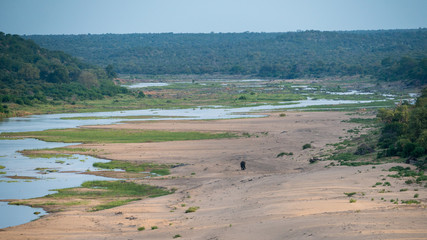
[(275, 198)]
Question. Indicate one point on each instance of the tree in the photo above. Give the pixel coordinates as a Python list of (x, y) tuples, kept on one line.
[(110, 71), (29, 72), (88, 79), (59, 75)]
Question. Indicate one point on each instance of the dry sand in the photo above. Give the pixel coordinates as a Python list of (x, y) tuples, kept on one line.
[(275, 198)]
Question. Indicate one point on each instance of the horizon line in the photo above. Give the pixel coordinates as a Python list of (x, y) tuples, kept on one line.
[(213, 32)]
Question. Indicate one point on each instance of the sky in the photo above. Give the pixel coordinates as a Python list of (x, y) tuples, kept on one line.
[(26, 17)]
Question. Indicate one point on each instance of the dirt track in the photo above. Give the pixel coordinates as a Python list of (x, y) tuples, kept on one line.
[(275, 198)]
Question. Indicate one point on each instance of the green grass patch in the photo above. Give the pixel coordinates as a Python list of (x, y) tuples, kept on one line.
[(64, 149), (92, 189), (110, 193), (160, 169), (47, 155), (120, 117), (83, 135), (2, 167), (160, 172)]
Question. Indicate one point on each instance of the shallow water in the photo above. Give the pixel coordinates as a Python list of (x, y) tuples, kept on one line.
[(143, 85), (45, 181), (54, 121), (16, 215)]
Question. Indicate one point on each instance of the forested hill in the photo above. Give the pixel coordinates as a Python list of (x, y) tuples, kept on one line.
[(288, 55), (30, 74)]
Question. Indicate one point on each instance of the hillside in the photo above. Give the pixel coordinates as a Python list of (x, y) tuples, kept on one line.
[(30, 74), (286, 55)]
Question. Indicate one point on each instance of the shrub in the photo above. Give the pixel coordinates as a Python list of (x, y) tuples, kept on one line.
[(352, 200), (305, 146), (418, 151), (409, 181), (364, 149), (284, 153), (191, 209), (350, 194), (177, 236), (154, 227), (141, 228), (411, 201), (421, 178)]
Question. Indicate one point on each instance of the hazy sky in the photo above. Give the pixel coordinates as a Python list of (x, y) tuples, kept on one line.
[(155, 16)]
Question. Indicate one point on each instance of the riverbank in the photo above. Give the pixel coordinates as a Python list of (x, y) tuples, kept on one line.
[(282, 197)]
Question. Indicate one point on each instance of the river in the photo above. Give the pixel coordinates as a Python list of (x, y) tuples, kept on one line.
[(59, 175)]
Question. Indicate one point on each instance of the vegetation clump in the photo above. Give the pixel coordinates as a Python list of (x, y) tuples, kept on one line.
[(412, 201), (191, 209), (350, 194), (112, 193), (160, 169), (117, 136), (364, 149), (307, 145), (284, 154), (404, 132)]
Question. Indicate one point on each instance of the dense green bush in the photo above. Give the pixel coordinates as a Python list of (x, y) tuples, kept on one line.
[(404, 132)]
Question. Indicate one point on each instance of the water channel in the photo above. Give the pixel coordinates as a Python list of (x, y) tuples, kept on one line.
[(67, 170)]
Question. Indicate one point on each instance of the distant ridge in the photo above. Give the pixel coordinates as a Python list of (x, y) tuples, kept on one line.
[(287, 55)]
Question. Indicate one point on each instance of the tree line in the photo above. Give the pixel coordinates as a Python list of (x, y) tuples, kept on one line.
[(30, 74), (280, 55)]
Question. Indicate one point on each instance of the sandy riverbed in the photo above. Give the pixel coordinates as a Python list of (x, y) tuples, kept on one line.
[(275, 198)]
